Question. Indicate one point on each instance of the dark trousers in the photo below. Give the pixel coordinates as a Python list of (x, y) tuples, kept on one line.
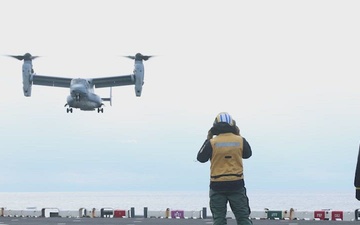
[(239, 204)]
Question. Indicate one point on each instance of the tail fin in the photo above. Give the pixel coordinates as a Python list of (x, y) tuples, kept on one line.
[(110, 98)]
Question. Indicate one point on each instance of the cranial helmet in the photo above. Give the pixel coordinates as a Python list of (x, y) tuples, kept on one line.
[(224, 117)]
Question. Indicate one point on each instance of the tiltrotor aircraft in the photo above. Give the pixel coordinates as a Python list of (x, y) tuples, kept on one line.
[(82, 94)]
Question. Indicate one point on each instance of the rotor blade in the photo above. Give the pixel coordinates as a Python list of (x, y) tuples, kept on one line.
[(26, 56), (139, 56), (19, 57), (130, 57), (146, 57), (34, 57)]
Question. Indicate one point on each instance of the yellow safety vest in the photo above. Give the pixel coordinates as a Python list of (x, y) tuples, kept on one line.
[(226, 160)]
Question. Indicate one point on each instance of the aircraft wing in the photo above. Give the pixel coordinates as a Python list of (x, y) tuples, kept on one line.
[(51, 81), (113, 81)]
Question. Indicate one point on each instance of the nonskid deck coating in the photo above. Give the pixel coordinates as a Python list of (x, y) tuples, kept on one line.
[(148, 221)]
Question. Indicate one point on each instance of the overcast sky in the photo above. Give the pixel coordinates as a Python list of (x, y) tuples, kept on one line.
[(287, 71)]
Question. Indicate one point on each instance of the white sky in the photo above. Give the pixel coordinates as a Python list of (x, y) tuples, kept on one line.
[(287, 71)]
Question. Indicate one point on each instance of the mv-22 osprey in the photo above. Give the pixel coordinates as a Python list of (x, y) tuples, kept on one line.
[(82, 94)]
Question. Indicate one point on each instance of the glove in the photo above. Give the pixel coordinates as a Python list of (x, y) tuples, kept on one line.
[(237, 130), (210, 135)]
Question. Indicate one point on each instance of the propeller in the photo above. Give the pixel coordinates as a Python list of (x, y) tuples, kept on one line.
[(139, 57), (26, 56)]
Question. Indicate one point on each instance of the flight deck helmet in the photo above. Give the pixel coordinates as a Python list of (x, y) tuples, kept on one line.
[(224, 117)]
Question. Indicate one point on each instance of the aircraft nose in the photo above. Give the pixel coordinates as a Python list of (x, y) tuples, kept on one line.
[(78, 89)]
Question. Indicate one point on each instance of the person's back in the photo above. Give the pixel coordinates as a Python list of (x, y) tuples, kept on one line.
[(226, 160)]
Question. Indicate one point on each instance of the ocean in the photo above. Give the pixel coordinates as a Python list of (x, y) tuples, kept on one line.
[(176, 200)]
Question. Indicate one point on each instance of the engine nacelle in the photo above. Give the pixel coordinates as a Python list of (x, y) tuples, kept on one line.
[(139, 78), (27, 79)]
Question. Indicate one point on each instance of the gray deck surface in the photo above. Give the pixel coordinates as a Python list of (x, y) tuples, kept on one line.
[(142, 221)]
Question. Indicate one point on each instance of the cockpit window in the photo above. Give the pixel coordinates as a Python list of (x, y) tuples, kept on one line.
[(78, 81)]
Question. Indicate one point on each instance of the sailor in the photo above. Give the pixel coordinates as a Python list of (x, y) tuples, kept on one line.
[(225, 148), (357, 177)]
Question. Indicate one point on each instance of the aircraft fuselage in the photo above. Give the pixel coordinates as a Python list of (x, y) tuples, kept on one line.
[(82, 95)]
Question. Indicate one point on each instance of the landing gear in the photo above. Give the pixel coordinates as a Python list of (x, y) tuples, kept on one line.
[(68, 110), (100, 110)]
